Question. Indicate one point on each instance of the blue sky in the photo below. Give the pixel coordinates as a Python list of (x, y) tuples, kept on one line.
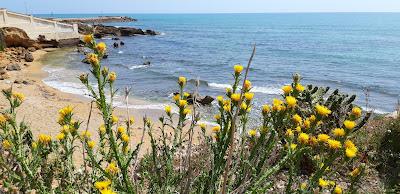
[(199, 6)]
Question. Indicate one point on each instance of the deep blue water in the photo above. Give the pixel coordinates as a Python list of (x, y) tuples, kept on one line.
[(349, 51)]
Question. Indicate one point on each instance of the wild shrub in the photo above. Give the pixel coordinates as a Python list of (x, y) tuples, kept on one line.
[(305, 126)]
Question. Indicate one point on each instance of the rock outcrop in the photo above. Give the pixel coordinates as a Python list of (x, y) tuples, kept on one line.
[(15, 37), (100, 31), (206, 100)]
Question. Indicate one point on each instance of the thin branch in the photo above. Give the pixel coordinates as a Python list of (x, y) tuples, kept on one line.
[(233, 127)]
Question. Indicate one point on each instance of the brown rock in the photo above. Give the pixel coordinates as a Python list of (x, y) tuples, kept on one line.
[(4, 76), (13, 67), (28, 57), (15, 37)]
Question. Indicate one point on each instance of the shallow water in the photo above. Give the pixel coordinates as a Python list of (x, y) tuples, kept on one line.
[(350, 51)]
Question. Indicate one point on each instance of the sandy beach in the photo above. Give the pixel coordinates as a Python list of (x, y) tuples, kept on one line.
[(42, 102)]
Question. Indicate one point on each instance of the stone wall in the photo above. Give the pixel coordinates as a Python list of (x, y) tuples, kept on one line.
[(34, 26)]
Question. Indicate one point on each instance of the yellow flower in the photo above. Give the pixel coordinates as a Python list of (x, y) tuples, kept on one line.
[(88, 38), (217, 116), (349, 144), (287, 89), (349, 124), (182, 81), (44, 139), (112, 76), (186, 111), (277, 105), (121, 129), (303, 138), (298, 129), (176, 97), (93, 59), (227, 108), (303, 186), (297, 119), (293, 146), (247, 84), (91, 144), (114, 119), (351, 152), (322, 110), (238, 68), (60, 136), (252, 133), (131, 120), (6, 144), (125, 138), (243, 106), (65, 111), (34, 145), (86, 134), (102, 129), (185, 94), (168, 109), (356, 112), (248, 95), (334, 144), (216, 129), (289, 133), (3, 119), (220, 99), (202, 125), (306, 123), (107, 191), (312, 118), (112, 168), (101, 47), (323, 183), (182, 103), (299, 87), (291, 101), (235, 97), (266, 108), (337, 190), (19, 96), (228, 90), (355, 172), (323, 138), (102, 185), (338, 132), (313, 141)]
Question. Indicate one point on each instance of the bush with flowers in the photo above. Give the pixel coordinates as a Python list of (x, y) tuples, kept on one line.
[(307, 135)]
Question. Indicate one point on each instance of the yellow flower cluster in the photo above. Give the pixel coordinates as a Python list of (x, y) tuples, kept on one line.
[(6, 144), (104, 187), (112, 168), (44, 139), (112, 76), (182, 81), (18, 96), (322, 110), (238, 69), (88, 39), (351, 149), (101, 47)]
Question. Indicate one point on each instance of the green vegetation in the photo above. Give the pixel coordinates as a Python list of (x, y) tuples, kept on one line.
[(307, 136)]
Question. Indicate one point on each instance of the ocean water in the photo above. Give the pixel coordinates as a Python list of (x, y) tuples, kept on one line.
[(359, 53)]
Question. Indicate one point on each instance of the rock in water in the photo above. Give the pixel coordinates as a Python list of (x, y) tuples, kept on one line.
[(206, 100), (116, 45), (13, 67), (122, 43), (28, 57)]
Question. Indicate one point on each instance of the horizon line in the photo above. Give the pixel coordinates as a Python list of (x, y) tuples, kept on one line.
[(277, 12)]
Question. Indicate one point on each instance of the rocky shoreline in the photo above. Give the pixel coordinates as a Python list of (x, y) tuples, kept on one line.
[(100, 19)]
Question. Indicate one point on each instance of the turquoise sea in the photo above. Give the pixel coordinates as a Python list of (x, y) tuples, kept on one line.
[(359, 53)]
